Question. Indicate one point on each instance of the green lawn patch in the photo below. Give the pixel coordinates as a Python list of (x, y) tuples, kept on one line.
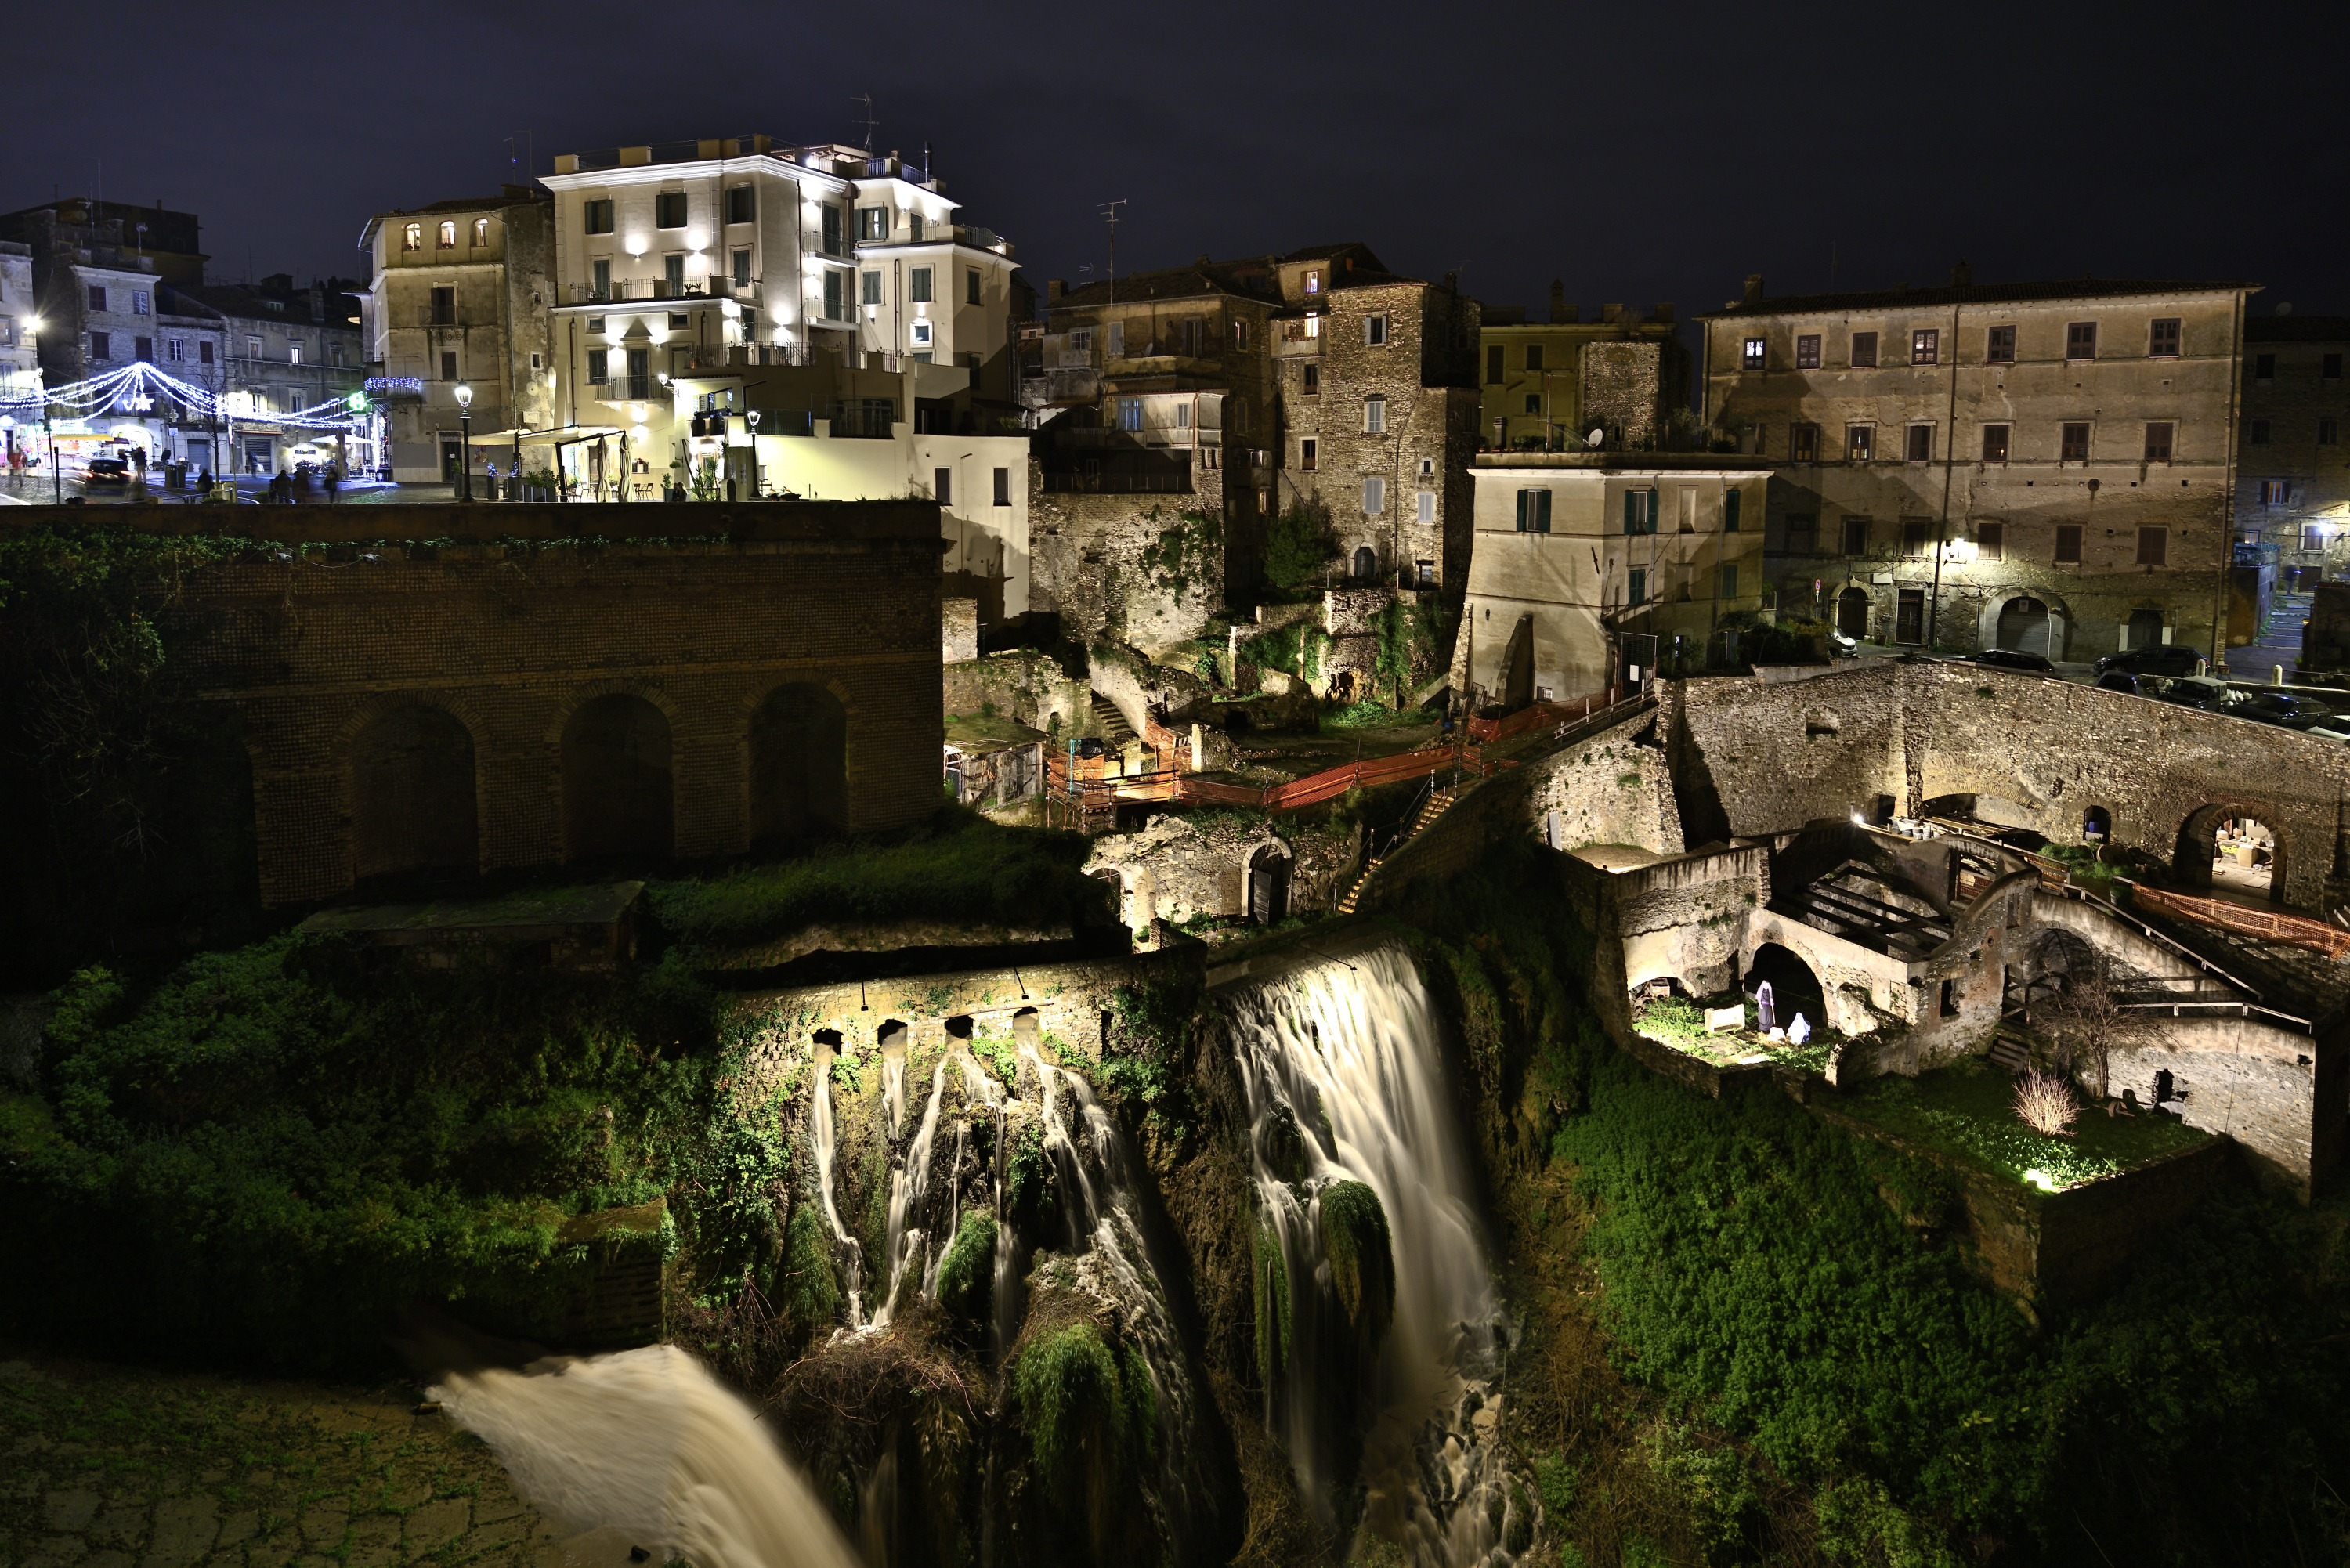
[(1966, 1111)]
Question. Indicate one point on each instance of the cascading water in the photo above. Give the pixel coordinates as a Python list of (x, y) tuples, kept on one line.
[(820, 1140), (1345, 1085), (907, 1184), (646, 1443)]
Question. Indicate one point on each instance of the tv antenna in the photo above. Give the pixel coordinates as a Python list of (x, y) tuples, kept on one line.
[(868, 122), (1109, 211)]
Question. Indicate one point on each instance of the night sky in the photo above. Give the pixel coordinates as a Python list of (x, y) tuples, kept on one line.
[(1638, 153)]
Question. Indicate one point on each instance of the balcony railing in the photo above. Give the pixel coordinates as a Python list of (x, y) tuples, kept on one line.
[(1120, 483), (622, 290)]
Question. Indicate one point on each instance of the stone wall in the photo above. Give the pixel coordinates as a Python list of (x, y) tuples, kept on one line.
[(1026, 687), (1181, 866), (1686, 918), (958, 631), (2252, 1081), (1087, 563), (483, 655), (1620, 389)]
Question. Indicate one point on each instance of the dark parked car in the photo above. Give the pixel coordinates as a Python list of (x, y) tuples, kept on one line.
[(2200, 691), (2158, 659), (2294, 713), (105, 473), (2010, 659), (2119, 681)]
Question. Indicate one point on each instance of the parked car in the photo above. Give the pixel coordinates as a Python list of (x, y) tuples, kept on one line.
[(2119, 681), (2200, 691), (105, 473), (2010, 659), (2158, 659), (2285, 708)]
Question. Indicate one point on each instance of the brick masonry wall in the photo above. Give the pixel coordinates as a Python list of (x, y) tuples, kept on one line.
[(1180, 866), (510, 640), (1086, 564), (1620, 387)]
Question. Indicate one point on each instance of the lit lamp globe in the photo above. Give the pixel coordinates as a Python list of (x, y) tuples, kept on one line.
[(465, 441)]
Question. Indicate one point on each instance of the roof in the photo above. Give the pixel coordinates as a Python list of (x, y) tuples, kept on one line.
[(1247, 277), (1968, 293), (515, 196), (2296, 328), (238, 301)]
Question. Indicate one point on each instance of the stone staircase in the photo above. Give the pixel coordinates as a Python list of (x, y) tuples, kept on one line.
[(2010, 1051), (1110, 724), (1437, 803)]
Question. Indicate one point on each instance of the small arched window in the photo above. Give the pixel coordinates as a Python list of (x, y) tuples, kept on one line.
[(448, 234), (1375, 415), (413, 237), (481, 231)]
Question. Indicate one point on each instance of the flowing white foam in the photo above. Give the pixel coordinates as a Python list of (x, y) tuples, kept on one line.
[(820, 1140), (645, 1442)]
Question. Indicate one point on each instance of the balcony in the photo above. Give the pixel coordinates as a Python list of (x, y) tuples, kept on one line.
[(623, 290), (1128, 473)]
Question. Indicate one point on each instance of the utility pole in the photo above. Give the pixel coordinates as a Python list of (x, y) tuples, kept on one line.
[(1109, 211)]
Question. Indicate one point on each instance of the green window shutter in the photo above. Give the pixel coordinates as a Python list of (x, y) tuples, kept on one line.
[(1652, 510), (1730, 579), (1631, 512), (1542, 511), (1522, 495), (1730, 513), (1636, 593)]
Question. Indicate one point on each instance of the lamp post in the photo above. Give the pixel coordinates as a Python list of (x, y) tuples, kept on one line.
[(464, 442)]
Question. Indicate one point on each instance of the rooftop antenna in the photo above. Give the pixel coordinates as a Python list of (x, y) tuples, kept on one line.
[(868, 122), (1109, 211)]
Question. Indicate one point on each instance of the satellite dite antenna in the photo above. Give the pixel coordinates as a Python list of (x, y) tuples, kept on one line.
[(868, 122), (1109, 211), (1595, 437)]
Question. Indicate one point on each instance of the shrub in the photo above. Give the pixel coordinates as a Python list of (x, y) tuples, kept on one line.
[(1297, 547), (1675, 1019), (1355, 1242), (2045, 1102), (967, 1273), (1270, 1299), (1071, 1386)]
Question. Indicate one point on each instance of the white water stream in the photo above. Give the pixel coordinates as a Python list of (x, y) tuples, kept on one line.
[(1350, 1055), (820, 1140), (644, 1442)]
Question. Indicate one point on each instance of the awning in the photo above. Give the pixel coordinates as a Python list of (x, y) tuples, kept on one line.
[(559, 435)]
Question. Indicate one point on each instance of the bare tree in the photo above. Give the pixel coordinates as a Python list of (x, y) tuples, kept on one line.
[(2089, 1024), (2045, 1101)]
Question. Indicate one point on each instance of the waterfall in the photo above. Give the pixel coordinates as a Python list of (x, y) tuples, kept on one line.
[(646, 1443), (907, 1184), (1344, 1083), (820, 1138)]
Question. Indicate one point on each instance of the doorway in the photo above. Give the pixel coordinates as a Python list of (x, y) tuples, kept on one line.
[(2024, 626), (2145, 630), (1852, 613), (1909, 616)]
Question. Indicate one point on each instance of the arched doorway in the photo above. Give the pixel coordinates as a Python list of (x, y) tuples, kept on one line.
[(2097, 825), (799, 764), (2145, 630), (1518, 678), (1852, 612), (1366, 564), (2024, 626), (1793, 987), (616, 794), (2223, 849), (1268, 887), (413, 799)]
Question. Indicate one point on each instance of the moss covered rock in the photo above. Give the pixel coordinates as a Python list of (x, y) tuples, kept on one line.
[(967, 1273), (1272, 1302), (1361, 1256)]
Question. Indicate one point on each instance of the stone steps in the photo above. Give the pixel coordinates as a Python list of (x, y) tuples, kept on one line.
[(1434, 806), (1110, 724)]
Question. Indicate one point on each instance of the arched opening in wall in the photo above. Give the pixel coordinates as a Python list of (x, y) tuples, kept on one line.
[(1793, 987), (1518, 680), (1112, 879), (617, 800), (2097, 825), (799, 764), (2145, 630), (1026, 1026), (2024, 626), (2223, 849), (892, 1035), (1366, 564), (959, 1027), (413, 799), (2047, 969), (1236, 722), (1268, 887), (1852, 612), (826, 1040)]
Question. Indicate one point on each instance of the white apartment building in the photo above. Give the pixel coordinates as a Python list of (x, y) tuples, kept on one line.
[(19, 335)]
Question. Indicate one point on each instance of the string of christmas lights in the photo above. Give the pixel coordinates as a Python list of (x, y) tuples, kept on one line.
[(134, 387)]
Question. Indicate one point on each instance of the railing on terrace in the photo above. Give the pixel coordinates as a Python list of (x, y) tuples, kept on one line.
[(622, 290), (1175, 483)]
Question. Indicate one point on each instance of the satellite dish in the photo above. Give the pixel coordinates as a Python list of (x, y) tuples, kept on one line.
[(1595, 437)]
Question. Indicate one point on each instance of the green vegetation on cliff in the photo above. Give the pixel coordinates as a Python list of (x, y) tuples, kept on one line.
[(1356, 1243), (1077, 1395), (967, 1273)]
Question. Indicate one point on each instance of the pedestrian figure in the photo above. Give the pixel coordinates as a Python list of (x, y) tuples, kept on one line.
[(1765, 1007)]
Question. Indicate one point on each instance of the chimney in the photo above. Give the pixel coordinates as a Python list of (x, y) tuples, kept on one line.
[(1663, 311), (1055, 287), (1753, 289), (1962, 276), (1558, 301)]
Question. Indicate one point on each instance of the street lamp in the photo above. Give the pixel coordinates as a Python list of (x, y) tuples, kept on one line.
[(465, 441)]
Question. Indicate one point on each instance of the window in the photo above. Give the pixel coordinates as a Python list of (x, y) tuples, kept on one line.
[(1636, 585), (1859, 442), (481, 233), (1803, 443), (1864, 350), (832, 306), (2073, 444), (448, 364), (742, 204), (2275, 492), (742, 269), (1004, 487), (2329, 432), (2153, 547), (1375, 415), (101, 346), (203, 353), (2081, 340), (598, 214), (175, 349), (599, 366), (1803, 533), (140, 303), (1425, 575), (1533, 511), (1426, 503), (1921, 439), (669, 209), (97, 297), (1752, 356), (1375, 330), (2068, 543), (1313, 280), (1081, 345), (942, 486), (599, 272), (412, 237), (1427, 467), (448, 234), (1926, 347), (872, 222), (971, 286), (1994, 448), (444, 305), (1534, 402), (253, 348), (2258, 435), (2264, 367), (1732, 501), (1129, 413), (1239, 336), (2158, 442), (293, 352), (143, 350), (1306, 449), (1493, 370), (1309, 381), (870, 284), (831, 231), (2162, 337), (1990, 541), (2313, 535), (1917, 538), (1533, 358), (914, 227), (1730, 579), (595, 323), (1856, 535), (1807, 351), (1999, 346), (1374, 495), (917, 292), (1639, 511)]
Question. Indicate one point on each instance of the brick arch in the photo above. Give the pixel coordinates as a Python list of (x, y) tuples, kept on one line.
[(615, 779), (363, 716), (579, 696), (2193, 845), (405, 808), (2062, 621), (777, 806)]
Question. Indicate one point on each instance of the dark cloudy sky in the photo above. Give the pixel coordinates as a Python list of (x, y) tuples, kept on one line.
[(1639, 152)]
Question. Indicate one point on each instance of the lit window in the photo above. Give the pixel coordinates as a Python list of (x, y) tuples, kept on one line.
[(413, 236), (1859, 442), (480, 232), (872, 223), (1129, 413), (1808, 352), (1926, 347), (1994, 448), (141, 304), (448, 234), (1755, 352), (1313, 280), (294, 353), (1534, 511)]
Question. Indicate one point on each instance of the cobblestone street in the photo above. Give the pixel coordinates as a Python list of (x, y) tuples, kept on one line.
[(105, 1467)]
